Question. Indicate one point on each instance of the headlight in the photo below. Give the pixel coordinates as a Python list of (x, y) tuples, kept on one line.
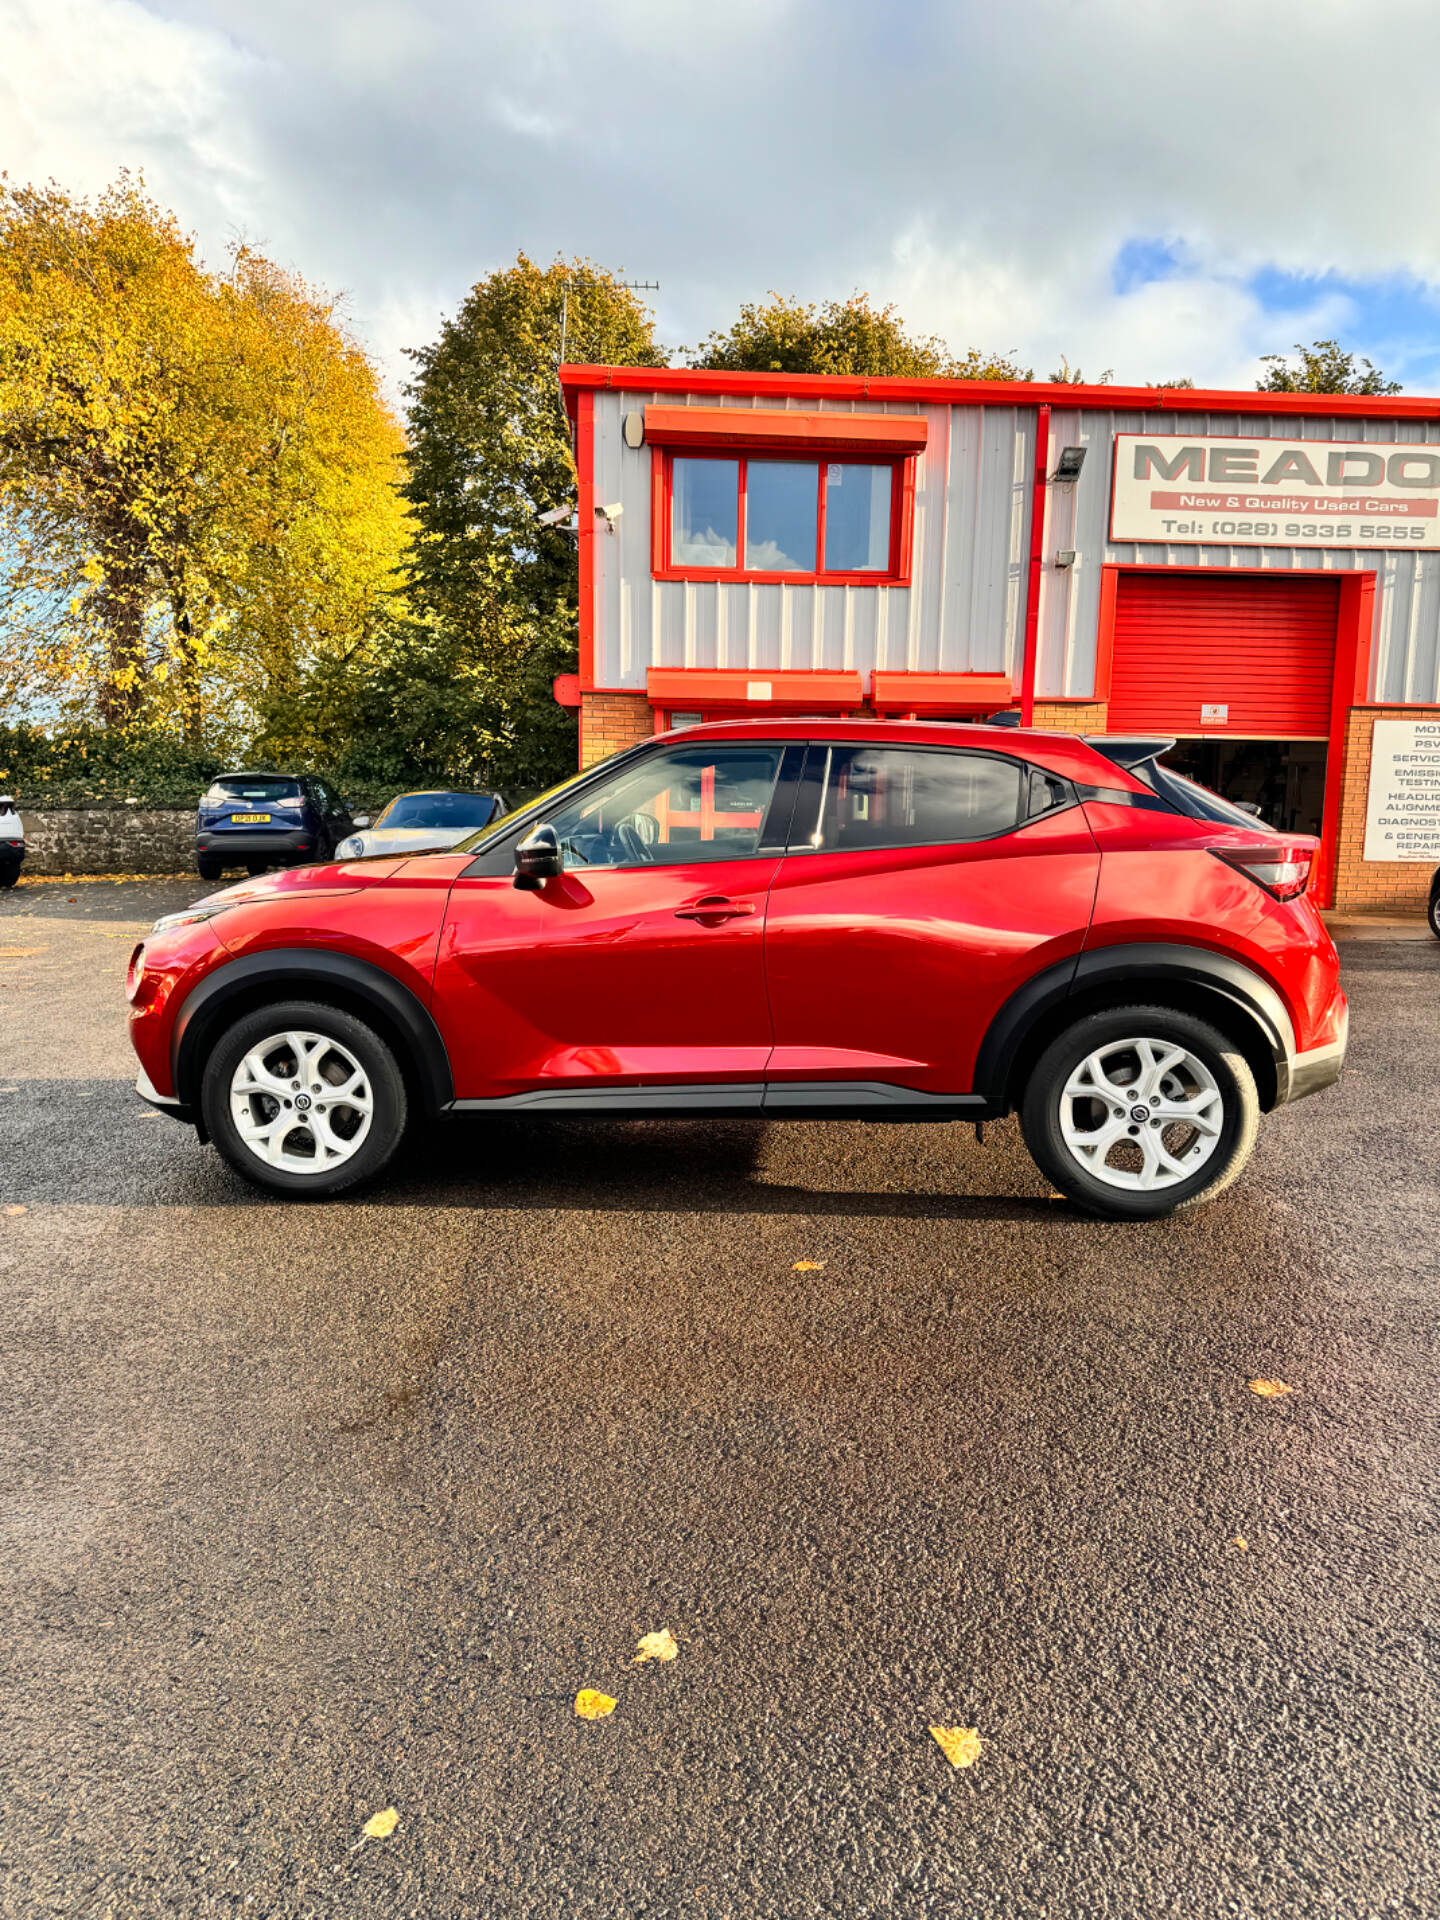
[(350, 849), (191, 917)]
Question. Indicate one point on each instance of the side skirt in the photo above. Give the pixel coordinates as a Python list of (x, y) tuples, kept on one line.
[(792, 1100)]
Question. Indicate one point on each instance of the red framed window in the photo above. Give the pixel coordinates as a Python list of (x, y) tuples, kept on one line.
[(776, 517)]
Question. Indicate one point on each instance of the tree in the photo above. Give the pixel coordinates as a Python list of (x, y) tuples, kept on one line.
[(1069, 376), (784, 335), (1323, 368), (198, 477), (496, 592)]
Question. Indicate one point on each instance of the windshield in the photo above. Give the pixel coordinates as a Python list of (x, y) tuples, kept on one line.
[(261, 786), (498, 827), (439, 810)]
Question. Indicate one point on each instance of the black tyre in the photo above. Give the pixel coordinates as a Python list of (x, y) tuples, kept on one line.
[(1138, 1112), (303, 1099), (254, 867), (1435, 914), (209, 866), (9, 874)]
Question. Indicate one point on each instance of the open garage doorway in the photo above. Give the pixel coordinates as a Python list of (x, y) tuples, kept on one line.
[(1283, 780)]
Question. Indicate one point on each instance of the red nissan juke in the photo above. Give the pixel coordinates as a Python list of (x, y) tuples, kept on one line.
[(791, 919)]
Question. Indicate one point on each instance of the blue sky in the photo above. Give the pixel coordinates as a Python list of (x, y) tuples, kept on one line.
[(1104, 180)]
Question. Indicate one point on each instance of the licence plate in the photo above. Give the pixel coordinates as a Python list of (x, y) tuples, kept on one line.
[(250, 819)]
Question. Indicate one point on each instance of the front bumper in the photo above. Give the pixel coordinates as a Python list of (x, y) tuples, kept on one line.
[(162, 1102), (1319, 1068), (238, 847)]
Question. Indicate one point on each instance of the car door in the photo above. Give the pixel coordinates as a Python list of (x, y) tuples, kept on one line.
[(642, 965), (922, 886)]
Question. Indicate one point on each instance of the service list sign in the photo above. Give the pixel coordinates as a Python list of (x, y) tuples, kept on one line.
[(1402, 817), (1189, 489)]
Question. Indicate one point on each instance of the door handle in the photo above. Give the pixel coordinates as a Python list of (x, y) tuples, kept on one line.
[(714, 907)]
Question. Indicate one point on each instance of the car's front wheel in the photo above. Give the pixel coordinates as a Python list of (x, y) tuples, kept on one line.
[(304, 1099), (1140, 1111)]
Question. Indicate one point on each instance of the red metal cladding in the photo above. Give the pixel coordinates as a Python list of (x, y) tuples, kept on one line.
[(1262, 648)]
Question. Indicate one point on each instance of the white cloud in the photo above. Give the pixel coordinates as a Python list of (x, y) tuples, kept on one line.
[(979, 165)]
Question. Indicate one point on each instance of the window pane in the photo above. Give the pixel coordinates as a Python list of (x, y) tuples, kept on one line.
[(782, 499), (898, 797), (707, 496), (697, 803), (857, 519)]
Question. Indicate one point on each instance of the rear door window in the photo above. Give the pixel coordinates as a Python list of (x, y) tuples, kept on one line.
[(863, 797)]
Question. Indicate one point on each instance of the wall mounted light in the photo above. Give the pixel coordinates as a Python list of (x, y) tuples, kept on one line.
[(1065, 557), (634, 429), (1072, 459)]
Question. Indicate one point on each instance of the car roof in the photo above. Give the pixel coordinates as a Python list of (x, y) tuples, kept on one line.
[(1064, 753)]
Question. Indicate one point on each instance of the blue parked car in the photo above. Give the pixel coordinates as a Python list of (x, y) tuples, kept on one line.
[(259, 820)]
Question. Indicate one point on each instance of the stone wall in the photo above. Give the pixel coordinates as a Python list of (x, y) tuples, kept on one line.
[(108, 839)]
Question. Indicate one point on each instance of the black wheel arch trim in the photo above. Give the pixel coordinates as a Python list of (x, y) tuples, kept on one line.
[(1139, 964), (287, 968)]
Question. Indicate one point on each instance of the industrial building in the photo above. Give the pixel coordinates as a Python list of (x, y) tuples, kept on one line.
[(1256, 574)]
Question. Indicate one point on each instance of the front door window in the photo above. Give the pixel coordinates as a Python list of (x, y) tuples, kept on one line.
[(693, 805)]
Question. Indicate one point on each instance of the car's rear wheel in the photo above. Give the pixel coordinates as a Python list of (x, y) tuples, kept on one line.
[(1435, 914), (253, 867), (304, 1099), (1138, 1112), (9, 875), (208, 866)]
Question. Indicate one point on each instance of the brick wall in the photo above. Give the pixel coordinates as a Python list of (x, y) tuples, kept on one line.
[(611, 721), (108, 839), (1071, 716), (1373, 885)]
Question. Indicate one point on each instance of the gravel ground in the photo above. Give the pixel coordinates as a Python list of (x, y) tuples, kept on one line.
[(312, 1511)]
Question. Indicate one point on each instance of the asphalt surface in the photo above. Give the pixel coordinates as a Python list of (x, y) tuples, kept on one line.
[(313, 1511)]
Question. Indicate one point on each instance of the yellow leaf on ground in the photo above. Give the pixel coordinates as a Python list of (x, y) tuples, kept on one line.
[(808, 1266), (20, 953), (380, 1826), (655, 1646), (590, 1705), (13, 1211), (960, 1745), (1270, 1389), (1238, 1542)]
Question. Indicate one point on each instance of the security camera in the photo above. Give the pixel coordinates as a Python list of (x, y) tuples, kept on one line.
[(556, 517), (612, 512)]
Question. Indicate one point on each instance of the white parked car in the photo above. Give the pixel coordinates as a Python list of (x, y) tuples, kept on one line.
[(12, 842), (423, 822)]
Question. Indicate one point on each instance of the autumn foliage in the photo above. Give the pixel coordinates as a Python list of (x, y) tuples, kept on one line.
[(198, 474)]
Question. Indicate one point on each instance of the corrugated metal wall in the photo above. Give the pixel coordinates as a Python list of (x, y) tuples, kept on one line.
[(963, 612), (1406, 659), (965, 609)]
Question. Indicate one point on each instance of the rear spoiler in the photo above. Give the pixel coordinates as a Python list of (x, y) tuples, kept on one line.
[(1129, 750)]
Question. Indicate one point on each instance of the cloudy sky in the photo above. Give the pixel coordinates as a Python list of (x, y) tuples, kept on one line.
[(1161, 189)]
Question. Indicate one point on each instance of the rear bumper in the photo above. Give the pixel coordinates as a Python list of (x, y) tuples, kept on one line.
[(297, 845), (1321, 1067)]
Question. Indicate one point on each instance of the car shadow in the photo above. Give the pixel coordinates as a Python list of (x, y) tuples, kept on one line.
[(96, 1143)]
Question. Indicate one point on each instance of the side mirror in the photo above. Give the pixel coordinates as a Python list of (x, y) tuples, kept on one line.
[(360, 821), (538, 859)]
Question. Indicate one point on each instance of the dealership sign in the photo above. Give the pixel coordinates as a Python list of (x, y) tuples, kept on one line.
[(1188, 489), (1402, 817)]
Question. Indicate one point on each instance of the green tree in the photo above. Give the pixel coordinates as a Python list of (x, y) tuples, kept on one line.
[(198, 478), (1323, 368), (490, 452), (784, 335), (1069, 376)]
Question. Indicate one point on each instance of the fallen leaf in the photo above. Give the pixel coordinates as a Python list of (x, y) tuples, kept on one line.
[(381, 1825), (808, 1266), (1270, 1389), (1238, 1542), (655, 1646), (21, 953), (590, 1705), (13, 1211), (960, 1745)]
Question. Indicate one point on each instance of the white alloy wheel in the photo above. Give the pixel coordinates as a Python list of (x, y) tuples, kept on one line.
[(301, 1102), (1141, 1114)]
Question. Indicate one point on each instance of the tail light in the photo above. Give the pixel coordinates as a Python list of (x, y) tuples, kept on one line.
[(1283, 872)]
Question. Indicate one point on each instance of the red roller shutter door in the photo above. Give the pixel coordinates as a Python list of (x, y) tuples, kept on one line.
[(1262, 646)]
